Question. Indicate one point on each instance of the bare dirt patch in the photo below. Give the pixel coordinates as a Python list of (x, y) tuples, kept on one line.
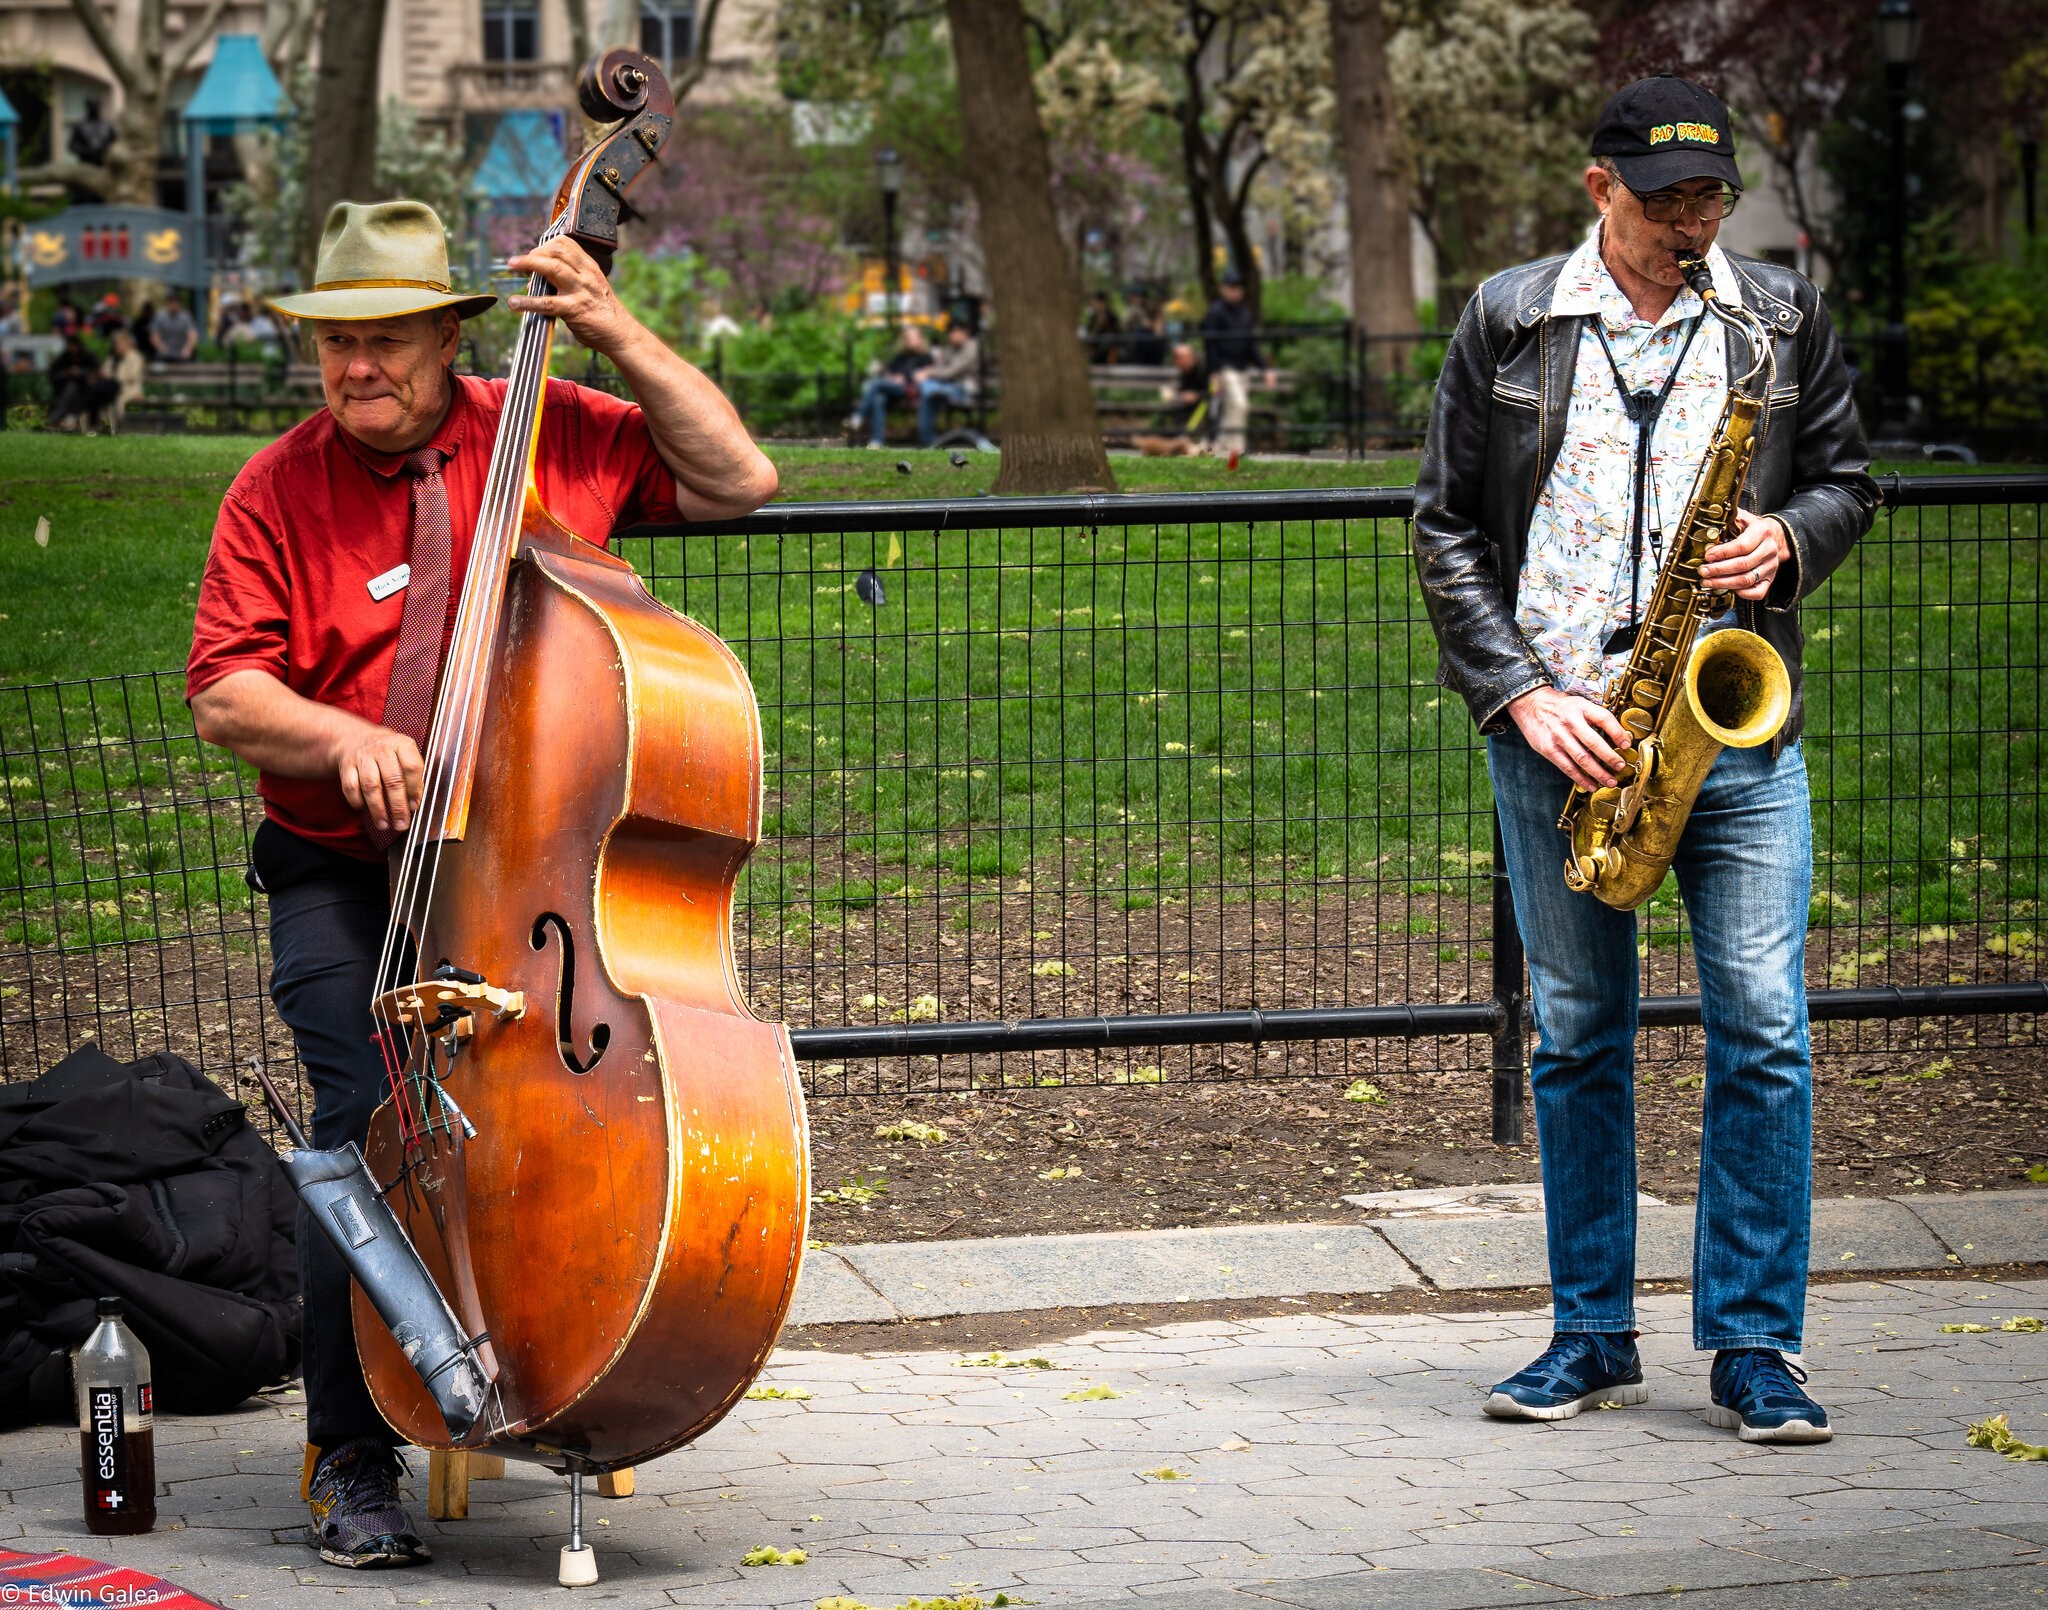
[(1178, 1136)]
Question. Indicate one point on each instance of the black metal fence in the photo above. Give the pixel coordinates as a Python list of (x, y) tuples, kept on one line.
[(1135, 790)]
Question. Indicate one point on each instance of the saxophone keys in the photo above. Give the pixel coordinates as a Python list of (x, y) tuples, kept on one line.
[(1639, 722)]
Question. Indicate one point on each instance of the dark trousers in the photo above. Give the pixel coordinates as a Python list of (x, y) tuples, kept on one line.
[(325, 936), (89, 399)]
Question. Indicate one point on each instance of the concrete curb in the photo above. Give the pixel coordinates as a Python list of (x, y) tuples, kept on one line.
[(1018, 1274)]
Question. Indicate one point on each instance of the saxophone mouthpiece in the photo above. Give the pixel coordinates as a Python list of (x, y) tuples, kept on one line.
[(1698, 276)]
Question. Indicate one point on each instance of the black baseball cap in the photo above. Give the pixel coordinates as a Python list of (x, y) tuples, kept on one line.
[(1662, 131)]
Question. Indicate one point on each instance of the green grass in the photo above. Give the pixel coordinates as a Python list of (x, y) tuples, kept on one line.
[(811, 474), (129, 521), (1133, 710)]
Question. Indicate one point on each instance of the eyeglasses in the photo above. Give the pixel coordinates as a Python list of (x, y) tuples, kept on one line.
[(1668, 206)]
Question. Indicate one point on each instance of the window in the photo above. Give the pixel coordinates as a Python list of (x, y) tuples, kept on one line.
[(668, 31), (511, 30)]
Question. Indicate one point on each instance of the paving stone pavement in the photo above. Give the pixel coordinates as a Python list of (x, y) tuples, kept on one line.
[(1317, 1460)]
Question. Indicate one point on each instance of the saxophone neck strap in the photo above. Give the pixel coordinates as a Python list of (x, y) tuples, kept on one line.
[(1642, 407)]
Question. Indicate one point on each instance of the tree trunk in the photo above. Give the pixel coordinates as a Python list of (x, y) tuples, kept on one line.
[(1194, 152), (341, 154), (1051, 441), (618, 26), (132, 161), (1377, 201)]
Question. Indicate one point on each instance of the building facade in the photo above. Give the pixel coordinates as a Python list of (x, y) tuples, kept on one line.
[(453, 60), (456, 63)]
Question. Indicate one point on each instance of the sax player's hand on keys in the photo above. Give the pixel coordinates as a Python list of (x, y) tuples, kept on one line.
[(1582, 739), (1747, 563)]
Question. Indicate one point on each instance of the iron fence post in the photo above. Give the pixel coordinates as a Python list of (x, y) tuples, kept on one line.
[(1350, 366), (1508, 1038)]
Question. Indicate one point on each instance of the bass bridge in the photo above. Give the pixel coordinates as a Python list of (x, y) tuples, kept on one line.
[(447, 1003)]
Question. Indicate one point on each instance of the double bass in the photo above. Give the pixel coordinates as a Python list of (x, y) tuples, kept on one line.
[(595, 1147)]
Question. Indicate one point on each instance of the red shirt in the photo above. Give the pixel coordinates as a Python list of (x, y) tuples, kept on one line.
[(316, 516)]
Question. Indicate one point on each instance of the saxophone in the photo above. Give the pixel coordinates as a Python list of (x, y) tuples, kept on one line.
[(1683, 697)]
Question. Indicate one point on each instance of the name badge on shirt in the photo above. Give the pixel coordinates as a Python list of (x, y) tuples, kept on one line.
[(382, 587)]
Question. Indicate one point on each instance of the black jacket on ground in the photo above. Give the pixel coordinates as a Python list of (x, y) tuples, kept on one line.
[(1498, 424), (145, 1183)]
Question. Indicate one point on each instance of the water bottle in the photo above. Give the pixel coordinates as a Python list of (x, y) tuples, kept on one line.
[(117, 1447)]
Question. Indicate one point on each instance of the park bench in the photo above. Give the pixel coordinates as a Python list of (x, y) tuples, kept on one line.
[(237, 394), (1130, 401)]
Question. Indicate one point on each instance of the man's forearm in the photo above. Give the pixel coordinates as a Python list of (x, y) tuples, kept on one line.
[(262, 721), (719, 471)]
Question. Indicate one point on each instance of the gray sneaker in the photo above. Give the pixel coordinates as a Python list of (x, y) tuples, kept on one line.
[(358, 1518)]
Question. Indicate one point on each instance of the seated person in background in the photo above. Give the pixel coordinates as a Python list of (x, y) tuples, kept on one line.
[(1145, 330), (894, 383), (262, 329), (1188, 390), (107, 317), (124, 370), (1103, 330), (72, 373), (234, 319), (1186, 397), (950, 378), (177, 337)]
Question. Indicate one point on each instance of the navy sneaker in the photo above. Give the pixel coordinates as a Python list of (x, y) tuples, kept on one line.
[(1759, 1390), (1576, 1371), (358, 1518)]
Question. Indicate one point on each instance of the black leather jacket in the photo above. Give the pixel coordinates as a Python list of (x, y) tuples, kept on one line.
[(1495, 431)]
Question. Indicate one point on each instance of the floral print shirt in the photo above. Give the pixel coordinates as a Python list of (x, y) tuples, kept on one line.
[(1576, 576)]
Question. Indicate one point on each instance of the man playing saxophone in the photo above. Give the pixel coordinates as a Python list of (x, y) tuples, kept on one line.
[(1577, 402)]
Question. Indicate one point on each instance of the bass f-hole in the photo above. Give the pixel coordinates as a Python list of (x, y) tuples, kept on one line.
[(565, 997)]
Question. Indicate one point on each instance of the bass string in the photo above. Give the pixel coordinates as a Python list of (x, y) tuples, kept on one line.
[(451, 715), (497, 531), (497, 526), (419, 864), (419, 860)]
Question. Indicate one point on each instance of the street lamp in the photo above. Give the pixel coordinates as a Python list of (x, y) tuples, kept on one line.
[(1898, 42), (889, 175)]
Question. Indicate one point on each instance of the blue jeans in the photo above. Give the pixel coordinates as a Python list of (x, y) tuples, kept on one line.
[(875, 397), (325, 936), (929, 395), (1745, 871)]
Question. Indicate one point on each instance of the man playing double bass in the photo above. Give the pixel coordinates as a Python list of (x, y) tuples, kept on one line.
[(324, 616), (1577, 401)]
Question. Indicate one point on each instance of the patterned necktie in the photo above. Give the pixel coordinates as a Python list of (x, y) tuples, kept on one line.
[(409, 705)]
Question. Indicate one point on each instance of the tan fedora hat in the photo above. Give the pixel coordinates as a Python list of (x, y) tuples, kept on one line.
[(381, 261)]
